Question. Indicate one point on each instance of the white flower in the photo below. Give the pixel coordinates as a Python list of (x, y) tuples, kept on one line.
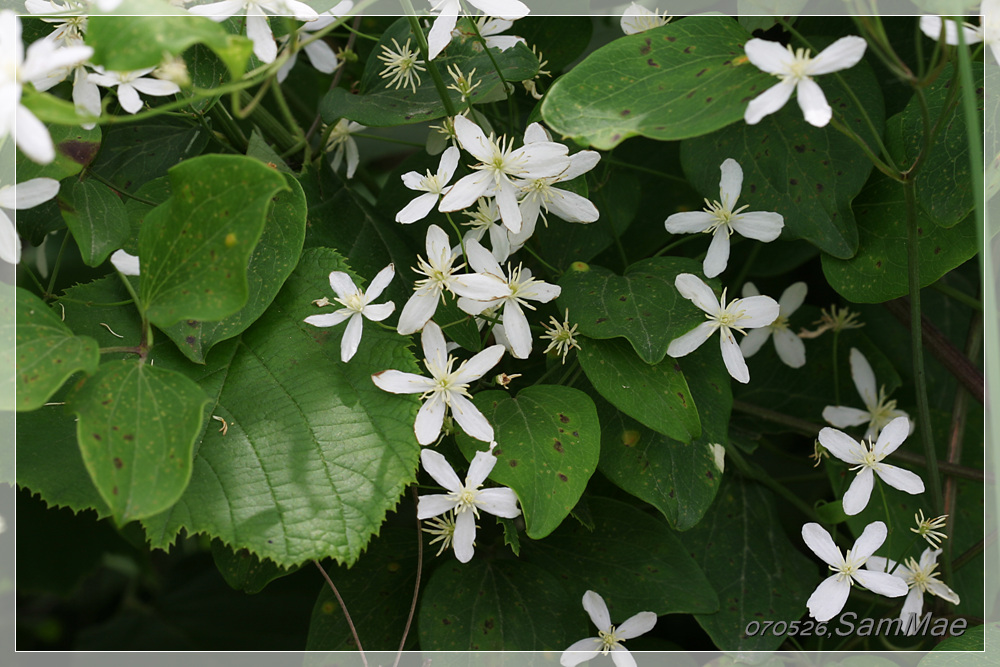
[(880, 410), (789, 347), (465, 500), (402, 65), (928, 528), (341, 141), (446, 388), (433, 185), (439, 267), (43, 57), (987, 30), (609, 638), (920, 578), (70, 19), (796, 70), (521, 287), (490, 29), (130, 84), (24, 195), (722, 218), (483, 220), (258, 29), (357, 303), (126, 264), (448, 11), (867, 459), (740, 314), (86, 94), (562, 335), (498, 163), (831, 595), (638, 19), (319, 52)]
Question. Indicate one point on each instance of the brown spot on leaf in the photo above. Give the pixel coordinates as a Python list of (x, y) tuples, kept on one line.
[(563, 477), (558, 446), (513, 463), (81, 152), (563, 418), (97, 436), (118, 463)]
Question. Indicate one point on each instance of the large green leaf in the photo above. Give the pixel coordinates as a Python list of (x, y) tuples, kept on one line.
[(75, 149), (685, 79), (244, 571), (96, 216), (634, 561), (47, 352), (507, 605), (679, 479), (136, 427), (164, 142), (548, 442), (657, 396), (643, 306), (194, 248), (271, 263), (878, 272), (379, 105), (808, 174), (758, 573), (314, 454)]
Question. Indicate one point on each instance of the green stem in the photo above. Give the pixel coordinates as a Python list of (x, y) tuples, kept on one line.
[(461, 237), (973, 135), (270, 125), (38, 283), (551, 268), (755, 473), (747, 265), (506, 86), (888, 517), (55, 267), (969, 554), (418, 32), (957, 295), (286, 113), (390, 140), (129, 349), (229, 127), (646, 170), (100, 179), (836, 368), (916, 344), (686, 238), (569, 371)]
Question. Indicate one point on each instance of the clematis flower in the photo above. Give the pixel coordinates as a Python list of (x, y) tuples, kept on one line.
[(520, 288), (609, 639), (341, 142), (432, 185), (439, 267), (638, 19), (130, 84), (867, 458), (790, 348), (258, 29), (920, 578), (357, 304), (445, 389), (927, 528), (796, 71), (490, 29), (27, 194), (484, 221), (880, 410), (319, 52), (43, 57), (749, 313), (722, 218), (498, 163), (831, 595), (561, 335), (448, 11), (464, 500)]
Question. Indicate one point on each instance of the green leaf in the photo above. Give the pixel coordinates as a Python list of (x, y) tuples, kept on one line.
[(631, 559), (96, 216), (496, 605), (143, 31), (271, 263), (194, 248), (684, 79), (136, 427), (808, 174), (560, 40), (155, 192), (314, 454), (679, 479), (75, 149), (944, 183), (657, 396), (243, 571), (548, 442), (47, 352), (972, 640), (379, 106), (878, 272), (756, 570), (643, 306)]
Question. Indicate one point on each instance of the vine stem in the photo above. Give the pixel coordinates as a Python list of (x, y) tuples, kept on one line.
[(416, 585), (343, 607)]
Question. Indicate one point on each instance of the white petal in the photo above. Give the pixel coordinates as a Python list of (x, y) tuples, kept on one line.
[(259, 33), (506, 198), (541, 292), (749, 289), (377, 312), (480, 364), (329, 319), (857, 495), (322, 56), (571, 207), (472, 138), (449, 162), (542, 160), (342, 284), (434, 346), (480, 286), (126, 264), (498, 502), (466, 191), (695, 290), (828, 599), (32, 137), (718, 253), (881, 582), (418, 309), (482, 260), (870, 540), (818, 539), (437, 466), (129, 98), (464, 538), (844, 53), (759, 225), (691, 341), (753, 341), (33, 192), (434, 504), (380, 282), (790, 348), (621, 657), (479, 469), (770, 57), (901, 479), (731, 183), (841, 445), (581, 651), (892, 436), (637, 625), (470, 418), (440, 33), (417, 209), (10, 242), (156, 87), (509, 10), (689, 222), (579, 163), (813, 103), (942, 591), (353, 158), (597, 609), (731, 354), (86, 95), (398, 382), (352, 338), (218, 11), (913, 605), (756, 311), (515, 326), (768, 102), (880, 564), (430, 417), (842, 416), (864, 378), (792, 298)]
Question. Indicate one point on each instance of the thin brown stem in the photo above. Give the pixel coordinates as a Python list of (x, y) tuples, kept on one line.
[(343, 608), (416, 584)]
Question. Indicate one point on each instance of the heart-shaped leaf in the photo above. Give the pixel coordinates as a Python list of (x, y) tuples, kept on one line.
[(96, 216)]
